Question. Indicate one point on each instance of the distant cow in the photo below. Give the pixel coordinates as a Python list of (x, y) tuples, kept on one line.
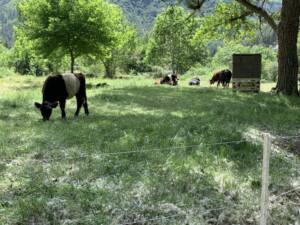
[(194, 81), (171, 79), (223, 77), (59, 88)]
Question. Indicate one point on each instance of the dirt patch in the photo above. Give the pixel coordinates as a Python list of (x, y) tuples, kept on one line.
[(290, 144)]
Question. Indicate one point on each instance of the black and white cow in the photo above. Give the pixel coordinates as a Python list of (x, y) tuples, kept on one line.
[(59, 88), (194, 81), (171, 79)]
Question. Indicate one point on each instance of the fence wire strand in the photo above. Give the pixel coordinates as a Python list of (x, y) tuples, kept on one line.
[(286, 193), (143, 150)]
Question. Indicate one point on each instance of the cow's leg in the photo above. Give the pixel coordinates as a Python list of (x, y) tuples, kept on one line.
[(79, 100), (62, 104), (218, 84), (81, 97), (85, 105)]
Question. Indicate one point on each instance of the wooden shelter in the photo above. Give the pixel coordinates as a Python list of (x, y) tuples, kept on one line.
[(246, 72)]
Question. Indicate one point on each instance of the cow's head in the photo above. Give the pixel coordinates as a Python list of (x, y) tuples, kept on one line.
[(46, 109)]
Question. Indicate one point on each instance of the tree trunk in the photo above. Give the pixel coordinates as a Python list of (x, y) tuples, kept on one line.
[(110, 69), (72, 61), (287, 48)]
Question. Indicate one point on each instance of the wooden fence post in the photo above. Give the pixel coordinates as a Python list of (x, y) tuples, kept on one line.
[(264, 207)]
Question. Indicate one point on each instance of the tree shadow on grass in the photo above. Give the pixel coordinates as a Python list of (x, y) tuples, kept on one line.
[(272, 113), (67, 161)]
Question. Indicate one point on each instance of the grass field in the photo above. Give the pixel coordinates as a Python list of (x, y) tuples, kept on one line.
[(145, 155)]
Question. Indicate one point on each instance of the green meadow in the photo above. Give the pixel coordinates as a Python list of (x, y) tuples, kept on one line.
[(146, 154)]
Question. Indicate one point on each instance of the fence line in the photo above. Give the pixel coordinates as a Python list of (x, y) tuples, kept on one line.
[(148, 150), (286, 137), (265, 199), (155, 149), (285, 193)]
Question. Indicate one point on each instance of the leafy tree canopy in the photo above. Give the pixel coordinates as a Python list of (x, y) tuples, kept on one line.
[(170, 43), (73, 27), (228, 22)]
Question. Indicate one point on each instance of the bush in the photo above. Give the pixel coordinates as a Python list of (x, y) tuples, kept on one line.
[(157, 71), (197, 71), (270, 71), (5, 56), (5, 71)]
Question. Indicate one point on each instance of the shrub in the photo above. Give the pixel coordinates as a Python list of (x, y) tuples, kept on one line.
[(198, 70)]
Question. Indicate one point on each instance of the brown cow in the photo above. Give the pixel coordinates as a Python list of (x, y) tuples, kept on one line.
[(223, 77), (59, 88)]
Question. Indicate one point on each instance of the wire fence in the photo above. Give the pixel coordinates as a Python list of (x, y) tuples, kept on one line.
[(173, 148), (265, 206)]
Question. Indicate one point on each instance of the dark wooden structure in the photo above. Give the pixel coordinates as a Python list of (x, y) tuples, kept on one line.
[(246, 72)]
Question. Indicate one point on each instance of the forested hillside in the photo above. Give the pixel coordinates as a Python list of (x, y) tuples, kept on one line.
[(139, 12), (8, 17)]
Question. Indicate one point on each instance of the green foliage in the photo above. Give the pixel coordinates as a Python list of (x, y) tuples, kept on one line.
[(198, 70), (28, 60), (229, 21), (5, 56), (170, 43), (65, 27), (124, 46), (134, 55)]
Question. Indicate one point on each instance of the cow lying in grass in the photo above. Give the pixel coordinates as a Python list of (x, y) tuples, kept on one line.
[(171, 79), (223, 77), (59, 88), (194, 81)]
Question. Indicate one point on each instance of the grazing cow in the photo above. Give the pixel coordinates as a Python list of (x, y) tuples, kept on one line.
[(59, 88), (194, 81), (171, 79), (223, 77)]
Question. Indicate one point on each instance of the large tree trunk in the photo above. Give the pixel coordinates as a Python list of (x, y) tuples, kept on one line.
[(110, 68), (287, 43)]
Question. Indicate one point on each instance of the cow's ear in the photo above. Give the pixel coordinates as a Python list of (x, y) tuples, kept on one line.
[(54, 105), (38, 105)]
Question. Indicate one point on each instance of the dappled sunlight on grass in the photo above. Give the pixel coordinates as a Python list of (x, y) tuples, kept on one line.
[(143, 152)]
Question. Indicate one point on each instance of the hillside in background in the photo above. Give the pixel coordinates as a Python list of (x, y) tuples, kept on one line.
[(8, 17), (140, 12)]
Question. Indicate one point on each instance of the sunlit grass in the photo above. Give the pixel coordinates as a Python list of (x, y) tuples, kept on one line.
[(63, 172)]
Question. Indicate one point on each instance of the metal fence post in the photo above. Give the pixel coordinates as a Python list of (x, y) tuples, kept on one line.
[(265, 181)]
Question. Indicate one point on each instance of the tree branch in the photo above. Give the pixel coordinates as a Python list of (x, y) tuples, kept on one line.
[(232, 19), (261, 12)]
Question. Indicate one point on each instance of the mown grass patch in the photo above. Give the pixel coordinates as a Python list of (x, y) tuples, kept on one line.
[(143, 153)]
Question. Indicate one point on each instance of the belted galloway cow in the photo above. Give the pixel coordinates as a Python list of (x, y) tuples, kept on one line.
[(59, 88)]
